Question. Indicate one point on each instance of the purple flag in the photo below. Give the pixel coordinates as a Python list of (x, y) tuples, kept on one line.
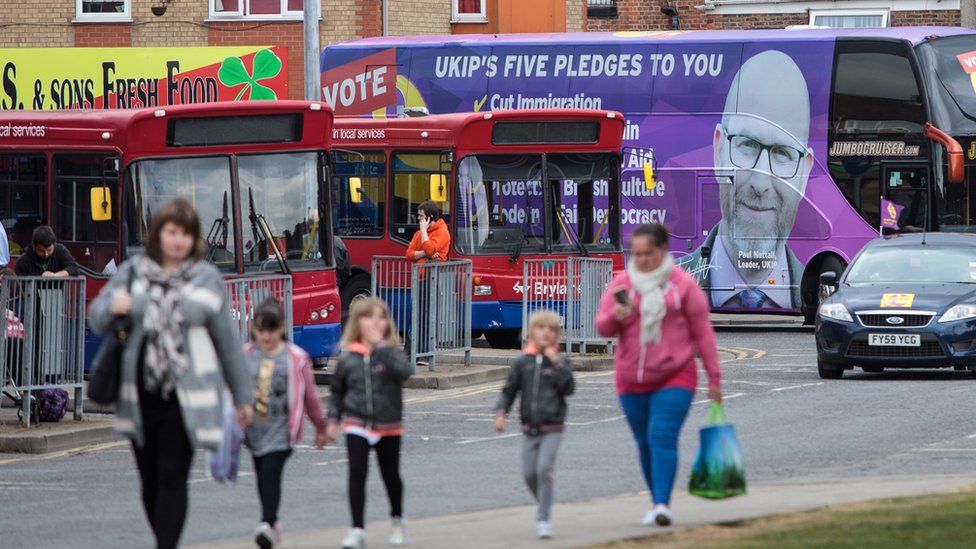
[(889, 214)]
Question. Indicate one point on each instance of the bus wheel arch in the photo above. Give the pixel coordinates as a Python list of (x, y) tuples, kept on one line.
[(810, 291)]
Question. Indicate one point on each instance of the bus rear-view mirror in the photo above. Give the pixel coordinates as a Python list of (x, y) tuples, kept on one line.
[(649, 176), (355, 190), (101, 204), (438, 187)]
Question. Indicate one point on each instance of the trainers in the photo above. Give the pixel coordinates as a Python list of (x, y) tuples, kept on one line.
[(649, 518), (355, 539), (264, 536), (399, 534), (662, 515), (544, 529)]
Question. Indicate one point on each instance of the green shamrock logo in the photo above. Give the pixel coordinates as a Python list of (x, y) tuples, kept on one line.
[(233, 73)]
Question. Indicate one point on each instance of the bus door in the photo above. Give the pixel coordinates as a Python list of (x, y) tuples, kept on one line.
[(710, 187), (906, 186), (91, 239)]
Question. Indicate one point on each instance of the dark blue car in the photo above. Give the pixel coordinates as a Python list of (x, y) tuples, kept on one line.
[(906, 301)]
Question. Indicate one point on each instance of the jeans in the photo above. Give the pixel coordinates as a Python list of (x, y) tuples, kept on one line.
[(655, 420)]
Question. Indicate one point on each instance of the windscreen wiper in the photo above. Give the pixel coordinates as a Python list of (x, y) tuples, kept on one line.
[(262, 233), (518, 250), (564, 222), (217, 236)]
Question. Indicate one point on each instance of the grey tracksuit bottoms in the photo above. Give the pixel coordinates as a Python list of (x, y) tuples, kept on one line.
[(538, 460)]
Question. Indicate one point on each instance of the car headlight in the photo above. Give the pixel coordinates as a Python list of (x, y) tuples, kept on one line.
[(835, 311), (959, 312)]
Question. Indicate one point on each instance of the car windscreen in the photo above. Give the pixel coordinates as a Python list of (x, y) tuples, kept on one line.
[(929, 264)]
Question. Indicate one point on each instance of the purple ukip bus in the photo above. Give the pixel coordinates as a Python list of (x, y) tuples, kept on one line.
[(777, 153)]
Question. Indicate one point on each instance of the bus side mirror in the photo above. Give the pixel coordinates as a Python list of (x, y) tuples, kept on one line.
[(649, 176), (957, 168), (438, 187), (355, 190), (101, 204)]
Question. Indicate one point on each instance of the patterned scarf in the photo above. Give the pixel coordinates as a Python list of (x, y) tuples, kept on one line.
[(165, 359)]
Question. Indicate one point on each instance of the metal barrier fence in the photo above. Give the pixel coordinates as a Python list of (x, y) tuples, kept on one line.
[(571, 287), (430, 304), (247, 293), (43, 347)]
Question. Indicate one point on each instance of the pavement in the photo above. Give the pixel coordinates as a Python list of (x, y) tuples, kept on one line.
[(583, 523)]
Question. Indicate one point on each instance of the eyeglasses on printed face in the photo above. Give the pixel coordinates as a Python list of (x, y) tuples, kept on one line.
[(744, 152)]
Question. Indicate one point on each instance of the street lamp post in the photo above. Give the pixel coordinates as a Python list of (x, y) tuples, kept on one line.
[(310, 9)]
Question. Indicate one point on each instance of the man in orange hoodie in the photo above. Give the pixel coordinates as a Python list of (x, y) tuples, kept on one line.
[(431, 243), (433, 240)]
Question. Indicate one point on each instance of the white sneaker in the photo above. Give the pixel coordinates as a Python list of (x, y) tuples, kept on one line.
[(399, 534), (264, 536), (649, 518), (355, 539), (543, 529), (662, 515)]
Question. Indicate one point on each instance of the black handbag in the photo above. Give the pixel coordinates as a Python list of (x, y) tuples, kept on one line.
[(103, 384)]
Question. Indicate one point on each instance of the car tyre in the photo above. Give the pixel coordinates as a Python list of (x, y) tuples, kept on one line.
[(357, 288), (829, 372)]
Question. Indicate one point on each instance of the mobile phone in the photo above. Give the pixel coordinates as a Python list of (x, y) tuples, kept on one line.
[(622, 297)]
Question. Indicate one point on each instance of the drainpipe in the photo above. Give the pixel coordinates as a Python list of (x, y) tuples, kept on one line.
[(384, 7)]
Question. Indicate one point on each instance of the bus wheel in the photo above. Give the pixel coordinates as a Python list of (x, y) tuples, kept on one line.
[(504, 339), (358, 288)]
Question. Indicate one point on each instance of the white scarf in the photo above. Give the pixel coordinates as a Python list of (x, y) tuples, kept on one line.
[(650, 286)]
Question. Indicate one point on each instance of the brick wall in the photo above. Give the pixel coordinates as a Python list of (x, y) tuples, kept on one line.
[(36, 23), (338, 22), (646, 15), (415, 17), (941, 18), (103, 35), (575, 15), (369, 18), (183, 24)]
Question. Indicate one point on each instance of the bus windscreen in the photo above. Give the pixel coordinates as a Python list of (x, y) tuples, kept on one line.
[(234, 130), (558, 132)]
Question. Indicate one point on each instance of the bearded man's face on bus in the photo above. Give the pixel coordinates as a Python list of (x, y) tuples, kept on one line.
[(762, 142)]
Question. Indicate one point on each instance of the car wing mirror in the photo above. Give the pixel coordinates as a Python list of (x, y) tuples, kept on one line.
[(355, 190), (101, 203)]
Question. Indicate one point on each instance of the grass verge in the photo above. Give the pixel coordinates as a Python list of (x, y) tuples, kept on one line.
[(939, 521)]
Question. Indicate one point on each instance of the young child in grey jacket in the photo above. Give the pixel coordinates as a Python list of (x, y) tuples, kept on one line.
[(545, 379)]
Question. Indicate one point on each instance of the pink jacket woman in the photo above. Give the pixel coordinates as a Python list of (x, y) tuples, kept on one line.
[(685, 331)]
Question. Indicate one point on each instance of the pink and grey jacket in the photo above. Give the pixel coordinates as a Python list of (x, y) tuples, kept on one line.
[(303, 397), (685, 331)]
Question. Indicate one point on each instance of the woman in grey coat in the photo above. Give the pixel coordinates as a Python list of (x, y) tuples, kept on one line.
[(182, 349)]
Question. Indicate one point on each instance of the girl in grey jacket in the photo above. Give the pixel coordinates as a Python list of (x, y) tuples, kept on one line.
[(181, 350)]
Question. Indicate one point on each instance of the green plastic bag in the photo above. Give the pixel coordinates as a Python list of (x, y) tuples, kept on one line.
[(718, 471)]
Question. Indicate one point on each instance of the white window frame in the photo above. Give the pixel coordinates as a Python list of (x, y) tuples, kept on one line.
[(883, 12), (125, 16), (242, 8), (457, 17)]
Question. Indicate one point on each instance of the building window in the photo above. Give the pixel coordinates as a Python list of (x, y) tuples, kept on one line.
[(849, 19), (601, 8), (468, 11), (103, 10), (258, 9)]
